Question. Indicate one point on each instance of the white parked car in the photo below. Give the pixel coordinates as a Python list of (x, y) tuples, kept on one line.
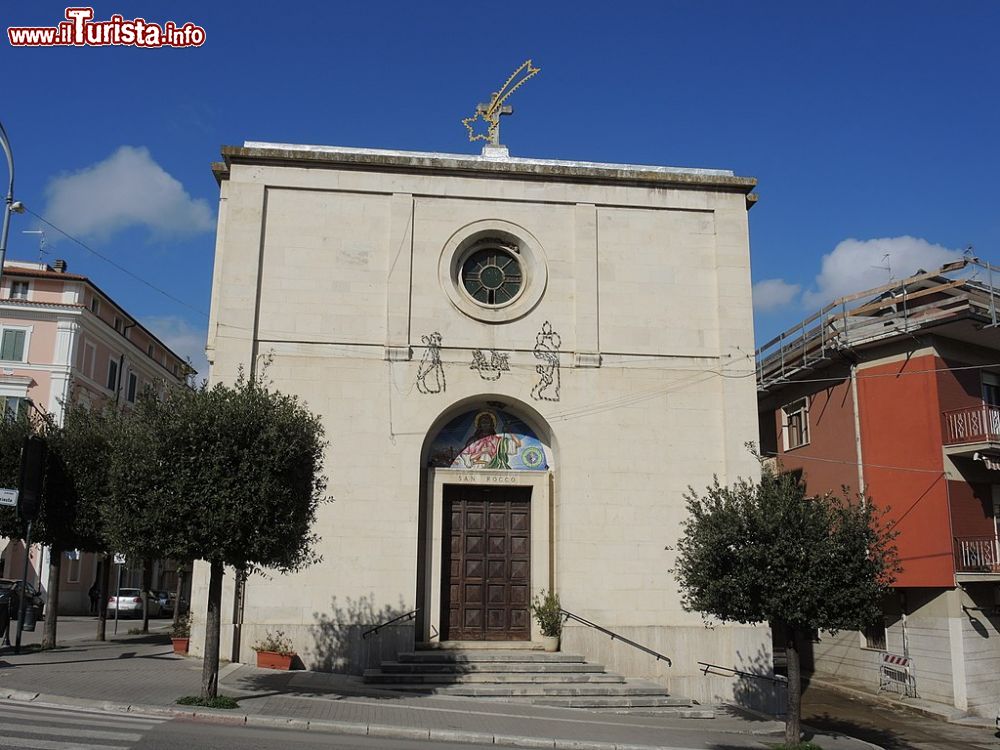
[(128, 603)]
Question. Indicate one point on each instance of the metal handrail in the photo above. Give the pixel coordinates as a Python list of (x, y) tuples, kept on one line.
[(616, 636), (408, 616), (741, 673)]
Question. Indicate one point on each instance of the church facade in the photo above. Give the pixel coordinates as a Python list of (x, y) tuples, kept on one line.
[(521, 366)]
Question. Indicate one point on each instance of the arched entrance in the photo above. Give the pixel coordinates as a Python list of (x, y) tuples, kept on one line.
[(486, 524)]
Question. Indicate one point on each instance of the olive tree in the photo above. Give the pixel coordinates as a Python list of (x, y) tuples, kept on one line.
[(75, 487), (766, 552), (228, 475)]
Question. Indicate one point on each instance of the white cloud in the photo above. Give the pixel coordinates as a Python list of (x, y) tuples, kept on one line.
[(856, 265), (183, 338), (771, 294), (127, 189)]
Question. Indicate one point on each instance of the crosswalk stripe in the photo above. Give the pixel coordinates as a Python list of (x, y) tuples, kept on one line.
[(25, 743), (16, 712), (53, 709), (90, 734)]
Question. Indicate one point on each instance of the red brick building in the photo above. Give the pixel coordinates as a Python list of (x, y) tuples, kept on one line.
[(896, 390)]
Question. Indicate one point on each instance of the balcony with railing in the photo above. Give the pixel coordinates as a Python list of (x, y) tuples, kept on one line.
[(977, 426), (977, 554)]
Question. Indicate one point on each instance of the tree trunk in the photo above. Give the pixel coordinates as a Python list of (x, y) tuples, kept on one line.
[(793, 713), (210, 664), (177, 596), (52, 601), (147, 584), (102, 597)]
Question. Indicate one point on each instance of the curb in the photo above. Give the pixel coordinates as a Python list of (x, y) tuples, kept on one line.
[(384, 731)]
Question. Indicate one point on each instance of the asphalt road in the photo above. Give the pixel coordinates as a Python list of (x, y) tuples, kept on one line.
[(889, 727), (29, 726)]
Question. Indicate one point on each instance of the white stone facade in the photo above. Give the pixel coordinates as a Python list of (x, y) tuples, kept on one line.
[(341, 265)]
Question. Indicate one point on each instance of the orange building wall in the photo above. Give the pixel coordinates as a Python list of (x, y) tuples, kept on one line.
[(829, 461), (971, 508), (901, 429), (958, 389)]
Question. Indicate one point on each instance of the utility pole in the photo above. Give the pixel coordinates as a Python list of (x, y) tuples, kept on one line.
[(10, 205)]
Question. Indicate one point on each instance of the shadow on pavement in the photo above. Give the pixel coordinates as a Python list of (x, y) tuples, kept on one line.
[(828, 724), (306, 684), (8, 659)]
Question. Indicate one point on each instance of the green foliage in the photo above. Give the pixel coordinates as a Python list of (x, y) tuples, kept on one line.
[(765, 552), (12, 434), (182, 628), (546, 609), (77, 485), (76, 480), (226, 474), (276, 643), (219, 701)]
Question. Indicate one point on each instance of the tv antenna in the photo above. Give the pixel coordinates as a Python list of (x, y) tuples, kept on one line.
[(42, 241), (886, 265), (492, 112)]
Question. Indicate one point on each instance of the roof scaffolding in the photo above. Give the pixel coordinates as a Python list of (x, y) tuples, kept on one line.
[(904, 306)]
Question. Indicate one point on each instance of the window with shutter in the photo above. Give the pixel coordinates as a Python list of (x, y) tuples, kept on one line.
[(12, 345)]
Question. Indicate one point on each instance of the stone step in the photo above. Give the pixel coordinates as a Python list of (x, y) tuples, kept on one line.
[(525, 675), (480, 646), (492, 667), (542, 690), (622, 701), (633, 705), (681, 712), (487, 656), (376, 677)]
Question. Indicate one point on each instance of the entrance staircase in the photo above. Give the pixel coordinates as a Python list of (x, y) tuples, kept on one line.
[(526, 676)]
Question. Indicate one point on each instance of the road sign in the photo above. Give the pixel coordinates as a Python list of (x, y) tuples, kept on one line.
[(8, 497), (119, 558)]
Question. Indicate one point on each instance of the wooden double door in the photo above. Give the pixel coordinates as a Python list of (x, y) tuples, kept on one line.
[(486, 567)]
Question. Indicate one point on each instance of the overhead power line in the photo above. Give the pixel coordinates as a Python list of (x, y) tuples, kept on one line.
[(121, 268)]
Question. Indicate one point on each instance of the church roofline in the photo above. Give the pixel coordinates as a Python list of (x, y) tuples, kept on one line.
[(255, 152)]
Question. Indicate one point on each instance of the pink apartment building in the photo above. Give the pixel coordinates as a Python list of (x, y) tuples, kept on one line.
[(63, 341)]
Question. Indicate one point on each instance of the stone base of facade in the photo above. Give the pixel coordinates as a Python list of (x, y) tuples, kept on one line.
[(952, 637), (740, 647)]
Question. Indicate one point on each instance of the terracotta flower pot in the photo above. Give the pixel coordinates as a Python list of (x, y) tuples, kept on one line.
[(181, 645), (550, 642), (272, 660)]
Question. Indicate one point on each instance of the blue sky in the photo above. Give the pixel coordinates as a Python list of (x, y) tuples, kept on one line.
[(872, 127)]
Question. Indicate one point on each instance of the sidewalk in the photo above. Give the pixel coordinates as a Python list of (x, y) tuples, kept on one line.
[(143, 673), (917, 705)]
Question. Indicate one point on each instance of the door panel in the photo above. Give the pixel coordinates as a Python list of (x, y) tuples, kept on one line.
[(487, 550)]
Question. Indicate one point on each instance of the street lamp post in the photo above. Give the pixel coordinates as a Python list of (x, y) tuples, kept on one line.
[(10, 205)]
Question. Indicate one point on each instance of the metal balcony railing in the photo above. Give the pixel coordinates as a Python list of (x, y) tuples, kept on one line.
[(973, 424), (977, 554)]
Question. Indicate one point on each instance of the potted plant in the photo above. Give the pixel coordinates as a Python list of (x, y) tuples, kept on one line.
[(274, 651), (180, 634), (548, 613)]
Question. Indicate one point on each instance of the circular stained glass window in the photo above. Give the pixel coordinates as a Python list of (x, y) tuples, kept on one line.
[(492, 276)]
